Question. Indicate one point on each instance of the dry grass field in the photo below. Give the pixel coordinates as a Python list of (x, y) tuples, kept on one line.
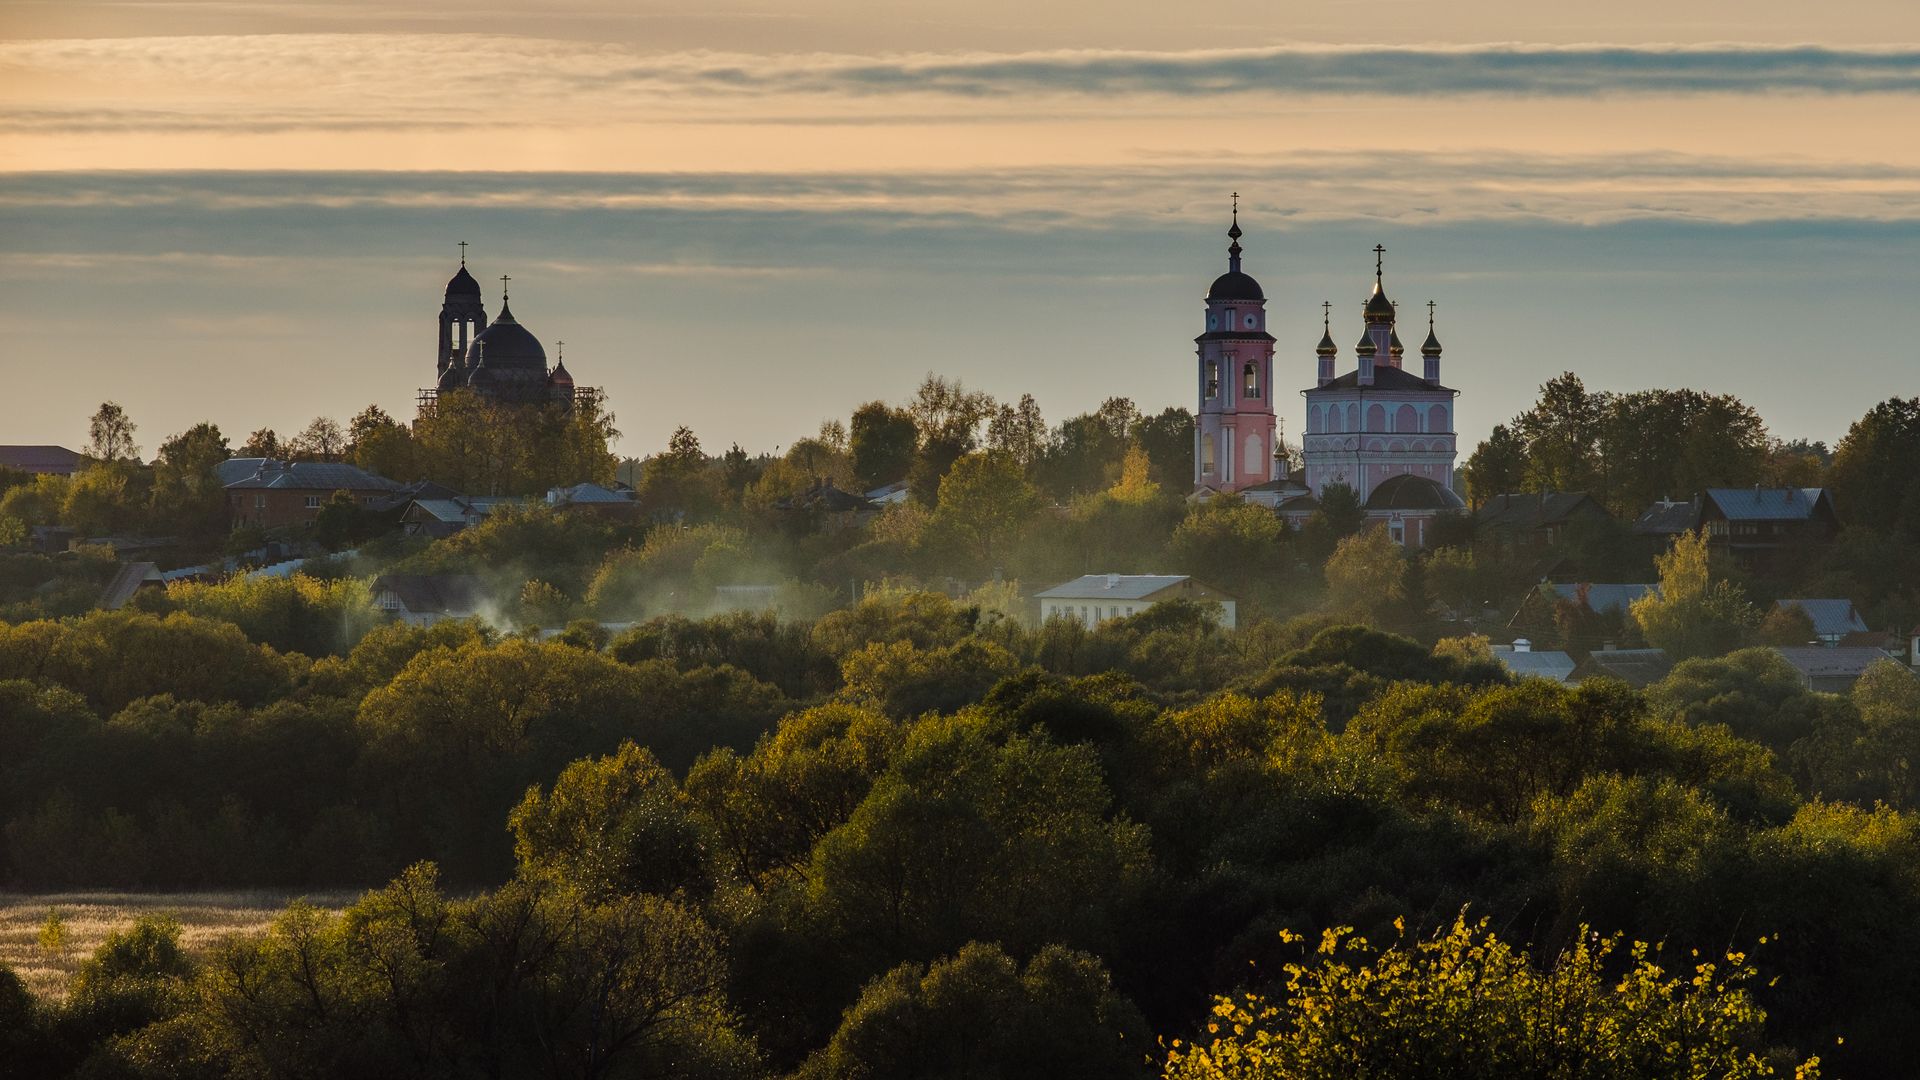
[(90, 916)]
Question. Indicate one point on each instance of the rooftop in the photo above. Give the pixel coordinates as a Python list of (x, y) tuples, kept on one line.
[(1831, 618), (1114, 586)]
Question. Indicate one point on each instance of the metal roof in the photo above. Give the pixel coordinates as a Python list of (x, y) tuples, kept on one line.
[(1384, 378), (1831, 618), (127, 581), (39, 458), (463, 507), (1814, 661), (1668, 518), (442, 594), (1113, 587), (1766, 504), (587, 493), (312, 476), (1554, 665)]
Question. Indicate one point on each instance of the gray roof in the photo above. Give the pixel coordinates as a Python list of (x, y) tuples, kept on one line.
[(1524, 511), (1813, 661), (234, 470), (1831, 618), (1113, 587), (1668, 518), (1766, 504), (588, 493), (312, 476), (440, 594), (463, 507), (1635, 667), (1385, 377), (1604, 598), (127, 580), (39, 458), (1557, 666)]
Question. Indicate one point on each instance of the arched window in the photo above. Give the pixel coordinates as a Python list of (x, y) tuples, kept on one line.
[(1406, 420), (1353, 417), (1437, 419), (1250, 382), (1376, 418), (1253, 469)]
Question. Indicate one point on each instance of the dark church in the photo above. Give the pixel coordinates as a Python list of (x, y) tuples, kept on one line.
[(501, 361)]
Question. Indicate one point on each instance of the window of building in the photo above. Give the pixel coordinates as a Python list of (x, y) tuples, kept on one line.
[(1252, 382), (1213, 379), (1397, 533), (1206, 453), (313, 502), (259, 502)]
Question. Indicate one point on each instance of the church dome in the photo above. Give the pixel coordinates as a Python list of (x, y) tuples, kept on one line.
[(1379, 308), (1409, 492), (1432, 346), (462, 284), (506, 345), (1234, 285), (1326, 346), (559, 376)]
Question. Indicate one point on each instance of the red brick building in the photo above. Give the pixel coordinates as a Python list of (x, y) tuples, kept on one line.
[(279, 494)]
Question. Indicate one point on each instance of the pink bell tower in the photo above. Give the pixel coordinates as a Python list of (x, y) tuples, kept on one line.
[(1234, 435)]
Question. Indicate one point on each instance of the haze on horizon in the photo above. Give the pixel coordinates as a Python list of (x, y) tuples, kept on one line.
[(748, 218)]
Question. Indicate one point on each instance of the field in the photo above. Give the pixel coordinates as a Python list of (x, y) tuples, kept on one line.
[(90, 916)]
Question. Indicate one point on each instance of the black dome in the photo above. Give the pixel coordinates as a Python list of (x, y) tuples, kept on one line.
[(507, 345), (1234, 285), (462, 284), (1379, 308), (1409, 492)]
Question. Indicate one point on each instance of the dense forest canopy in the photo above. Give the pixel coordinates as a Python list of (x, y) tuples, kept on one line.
[(900, 827)]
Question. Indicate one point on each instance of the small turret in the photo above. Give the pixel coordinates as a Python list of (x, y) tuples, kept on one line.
[(1431, 350), (1327, 351)]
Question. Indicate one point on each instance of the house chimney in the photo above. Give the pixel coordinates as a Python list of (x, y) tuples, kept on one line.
[(1113, 581), (1521, 644)]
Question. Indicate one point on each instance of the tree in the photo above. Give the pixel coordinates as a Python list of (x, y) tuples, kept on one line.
[(1691, 614), (187, 493), (261, 444), (1351, 1010), (1562, 433), (679, 481), (985, 501), (380, 444), (1498, 465), (321, 441), (613, 826), (948, 418), (1872, 475), (1018, 431), (882, 441), (1168, 441), (110, 434), (1366, 579), (977, 1013)]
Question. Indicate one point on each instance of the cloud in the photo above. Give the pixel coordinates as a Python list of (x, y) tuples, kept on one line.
[(1397, 187), (343, 81)]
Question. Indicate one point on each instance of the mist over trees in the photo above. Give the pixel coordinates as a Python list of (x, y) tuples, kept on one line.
[(888, 823)]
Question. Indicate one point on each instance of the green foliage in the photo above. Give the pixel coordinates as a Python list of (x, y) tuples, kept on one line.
[(296, 613), (1465, 1003), (1872, 474), (675, 570), (611, 826), (882, 440), (1692, 614), (1366, 579), (978, 1013)]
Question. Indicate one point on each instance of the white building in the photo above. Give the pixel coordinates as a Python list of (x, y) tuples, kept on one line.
[(1097, 598)]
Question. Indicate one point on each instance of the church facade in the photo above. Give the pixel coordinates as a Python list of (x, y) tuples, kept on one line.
[(1376, 428), (501, 361)]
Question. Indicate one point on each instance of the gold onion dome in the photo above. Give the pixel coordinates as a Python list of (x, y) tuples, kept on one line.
[(1326, 346), (1366, 346), (1393, 343), (1432, 347)]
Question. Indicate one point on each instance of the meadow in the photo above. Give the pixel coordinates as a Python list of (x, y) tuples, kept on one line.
[(88, 917)]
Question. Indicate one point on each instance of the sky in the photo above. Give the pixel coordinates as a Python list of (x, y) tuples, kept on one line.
[(750, 216)]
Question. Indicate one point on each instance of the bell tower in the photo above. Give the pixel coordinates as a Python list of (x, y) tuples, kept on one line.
[(1234, 436), (462, 316)]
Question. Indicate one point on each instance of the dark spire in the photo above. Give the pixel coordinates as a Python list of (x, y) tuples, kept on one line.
[(1234, 234), (1432, 347), (1326, 346)]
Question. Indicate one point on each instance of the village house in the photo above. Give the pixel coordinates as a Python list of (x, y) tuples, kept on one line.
[(1097, 598), (283, 494)]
